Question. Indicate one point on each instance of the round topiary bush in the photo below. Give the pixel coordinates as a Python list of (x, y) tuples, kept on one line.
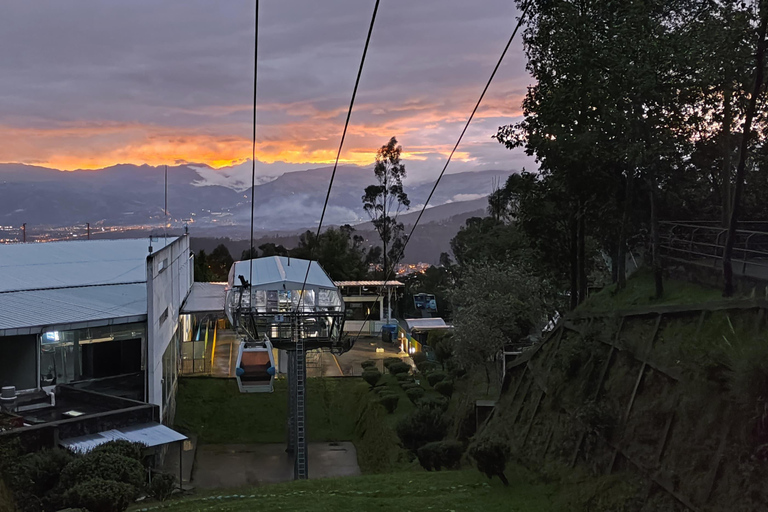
[(121, 447), (403, 378), (491, 456), (435, 377), (107, 466), (99, 495), (408, 384), (438, 403), (389, 401), (445, 388), (391, 360), (414, 394), (420, 427), (425, 367), (372, 376), (419, 357), (162, 486), (399, 367), (440, 454), (368, 364)]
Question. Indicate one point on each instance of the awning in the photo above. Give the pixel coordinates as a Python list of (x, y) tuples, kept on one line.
[(148, 434), (205, 298)]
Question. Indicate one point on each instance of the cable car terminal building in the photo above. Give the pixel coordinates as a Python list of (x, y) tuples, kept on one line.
[(89, 338)]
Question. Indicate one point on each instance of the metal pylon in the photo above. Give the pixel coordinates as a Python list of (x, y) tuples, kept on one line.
[(291, 431), (297, 430)]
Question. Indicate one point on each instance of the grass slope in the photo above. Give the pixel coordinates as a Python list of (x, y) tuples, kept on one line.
[(641, 289), (218, 413), (442, 491)]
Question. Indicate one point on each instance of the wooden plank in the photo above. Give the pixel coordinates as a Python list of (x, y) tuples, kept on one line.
[(533, 417), (664, 438), (715, 465)]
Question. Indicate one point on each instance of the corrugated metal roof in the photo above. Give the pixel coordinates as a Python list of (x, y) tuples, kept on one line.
[(71, 305), (279, 269), (426, 323), (148, 434), (34, 266), (369, 283), (205, 298)]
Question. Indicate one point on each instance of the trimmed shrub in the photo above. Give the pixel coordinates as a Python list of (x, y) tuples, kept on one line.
[(445, 388), (491, 457), (425, 367), (420, 427), (389, 401), (99, 495), (438, 403), (435, 377), (458, 372), (108, 466), (162, 486), (372, 377), (368, 364), (419, 357), (406, 385), (391, 360), (39, 471), (440, 454), (399, 367), (404, 377), (414, 394), (128, 449)]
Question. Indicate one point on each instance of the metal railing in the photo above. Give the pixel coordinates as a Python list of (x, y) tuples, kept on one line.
[(703, 243)]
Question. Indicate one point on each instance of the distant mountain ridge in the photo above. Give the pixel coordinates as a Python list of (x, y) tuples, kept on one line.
[(133, 195)]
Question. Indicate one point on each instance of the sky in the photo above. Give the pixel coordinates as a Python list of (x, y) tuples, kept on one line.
[(86, 84)]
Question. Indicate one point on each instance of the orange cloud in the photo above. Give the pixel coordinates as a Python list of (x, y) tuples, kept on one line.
[(308, 135)]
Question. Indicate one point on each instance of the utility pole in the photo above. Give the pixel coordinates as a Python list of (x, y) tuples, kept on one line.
[(165, 207), (88, 230), (24, 232)]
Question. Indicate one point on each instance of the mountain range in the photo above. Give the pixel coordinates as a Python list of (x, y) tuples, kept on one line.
[(130, 195), (129, 199)]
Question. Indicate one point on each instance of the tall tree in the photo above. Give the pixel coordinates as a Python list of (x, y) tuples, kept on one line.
[(747, 134), (220, 261), (338, 250), (384, 201)]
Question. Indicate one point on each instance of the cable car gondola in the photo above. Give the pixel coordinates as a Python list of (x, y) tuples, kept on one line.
[(255, 369)]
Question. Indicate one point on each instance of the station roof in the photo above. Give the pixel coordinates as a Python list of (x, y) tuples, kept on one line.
[(425, 324), (369, 283), (205, 298), (148, 434), (37, 266), (275, 271), (32, 311)]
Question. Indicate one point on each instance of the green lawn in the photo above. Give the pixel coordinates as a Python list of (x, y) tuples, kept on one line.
[(641, 289), (456, 491), (218, 413)]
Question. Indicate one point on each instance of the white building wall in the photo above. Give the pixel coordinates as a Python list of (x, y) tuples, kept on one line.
[(168, 283)]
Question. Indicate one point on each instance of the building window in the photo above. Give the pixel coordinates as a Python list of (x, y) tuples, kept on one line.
[(363, 310)]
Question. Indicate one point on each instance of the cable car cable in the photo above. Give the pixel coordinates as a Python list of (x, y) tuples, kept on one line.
[(338, 153), (253, 137), (450, 156)]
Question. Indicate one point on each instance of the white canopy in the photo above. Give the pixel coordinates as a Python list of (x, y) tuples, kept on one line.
[(280, 272)]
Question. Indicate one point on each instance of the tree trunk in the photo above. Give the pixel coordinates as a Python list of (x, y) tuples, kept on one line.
[(657, 266), (503, 478), (582, 258), (740, 169), (727, 150), (574, 263), (622, 267)]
